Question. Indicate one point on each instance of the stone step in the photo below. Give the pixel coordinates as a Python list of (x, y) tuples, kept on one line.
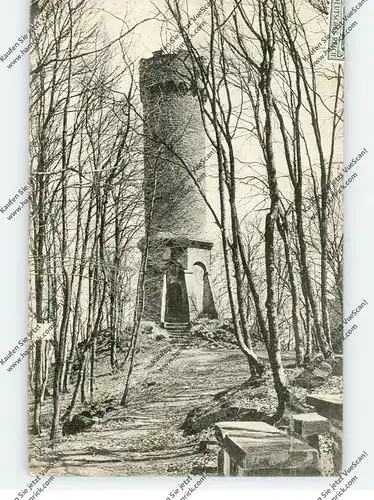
[(179, 338), (259, 449), (176, 326), (327, 405), (307, 424)]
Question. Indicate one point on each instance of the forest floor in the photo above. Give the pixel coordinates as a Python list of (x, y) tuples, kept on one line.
[(145, 437)]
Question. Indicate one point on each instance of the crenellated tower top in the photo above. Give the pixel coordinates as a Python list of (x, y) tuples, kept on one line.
[(168, 73)]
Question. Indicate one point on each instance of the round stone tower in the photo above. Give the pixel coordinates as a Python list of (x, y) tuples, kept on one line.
[(177, 286)]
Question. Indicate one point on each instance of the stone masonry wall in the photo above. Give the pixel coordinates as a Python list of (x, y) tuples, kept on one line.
[(174, 137)]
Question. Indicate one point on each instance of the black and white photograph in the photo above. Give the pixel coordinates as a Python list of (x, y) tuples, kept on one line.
[(185, 275)]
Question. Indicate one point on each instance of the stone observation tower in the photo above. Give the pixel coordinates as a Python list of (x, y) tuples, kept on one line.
[(177, 283)]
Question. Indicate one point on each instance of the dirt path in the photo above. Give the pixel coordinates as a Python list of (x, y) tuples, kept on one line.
[(145, 439)]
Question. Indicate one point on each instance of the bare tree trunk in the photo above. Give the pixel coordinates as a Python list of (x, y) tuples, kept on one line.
[(45, 370), (299, 344), (78, 385), (139, 305)]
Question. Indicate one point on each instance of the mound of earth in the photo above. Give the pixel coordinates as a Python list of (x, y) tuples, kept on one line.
[(87, 418), (214, 331), (256, 400), (78, 423), (318, 371), (200, 419)]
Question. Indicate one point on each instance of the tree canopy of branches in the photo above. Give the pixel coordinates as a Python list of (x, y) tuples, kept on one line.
[(85, 195), (275, 123)]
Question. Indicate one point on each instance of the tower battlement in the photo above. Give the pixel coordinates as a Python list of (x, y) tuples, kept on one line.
[(168, 73)]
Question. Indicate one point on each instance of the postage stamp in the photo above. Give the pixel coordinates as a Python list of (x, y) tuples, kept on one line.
[(335, 41)]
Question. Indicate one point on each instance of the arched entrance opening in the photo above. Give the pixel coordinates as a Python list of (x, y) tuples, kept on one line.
[(197, 299), (203, 302), (176, 307)]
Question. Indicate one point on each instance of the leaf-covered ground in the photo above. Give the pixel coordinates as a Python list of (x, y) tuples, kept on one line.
[(145, 438)]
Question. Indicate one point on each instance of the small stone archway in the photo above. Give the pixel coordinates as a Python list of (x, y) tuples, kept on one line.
[(202, 297)]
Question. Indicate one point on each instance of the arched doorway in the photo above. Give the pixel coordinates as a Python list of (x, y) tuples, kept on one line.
[(175, 302), (176, 297), (203, 302), (199, 272)]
